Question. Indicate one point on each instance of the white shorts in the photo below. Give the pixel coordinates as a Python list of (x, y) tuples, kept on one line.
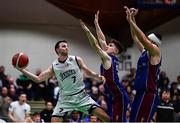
[(79, 102)]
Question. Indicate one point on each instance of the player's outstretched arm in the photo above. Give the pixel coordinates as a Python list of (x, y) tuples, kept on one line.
[(42, 77), (106, 60), (100, 34), (91, 37), (153, 49), (133, 35)]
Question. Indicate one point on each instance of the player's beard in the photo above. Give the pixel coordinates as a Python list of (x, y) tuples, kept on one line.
[(64, 53)]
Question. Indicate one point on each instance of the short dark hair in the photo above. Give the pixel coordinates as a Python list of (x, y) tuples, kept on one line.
[(57, 44), (35, 113), (118, 45), (167, 90), (21, 93)]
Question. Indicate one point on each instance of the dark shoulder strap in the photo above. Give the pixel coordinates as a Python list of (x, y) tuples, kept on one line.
[(77, 62)]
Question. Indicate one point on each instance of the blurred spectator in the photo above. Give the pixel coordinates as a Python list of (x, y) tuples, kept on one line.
[(129, 90), (10, 80), (94, 83), (19, 110), (162, 75), (5, 101), (25, 85), (100, 98), (88, 85), (125, 83), (51, 84), (101, 89), (165, 110), (173, 89), (165, 84), (93, 118), (102, 93), (177, 107), (47, 112), (34, 118), (75, 117), (130, 77), (4, 81), (103, 105), (12, 93), (94, 93), (4, 92), (39, 88)]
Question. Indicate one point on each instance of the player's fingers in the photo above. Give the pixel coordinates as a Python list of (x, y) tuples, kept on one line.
[(98, 13), (81, 22), (17, 67), (126, 8), (132, 9)]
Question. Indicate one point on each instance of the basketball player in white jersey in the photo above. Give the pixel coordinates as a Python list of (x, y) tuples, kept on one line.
[(69, 71)]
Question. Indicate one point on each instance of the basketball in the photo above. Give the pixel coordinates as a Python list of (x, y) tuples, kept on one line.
[(20, 60)]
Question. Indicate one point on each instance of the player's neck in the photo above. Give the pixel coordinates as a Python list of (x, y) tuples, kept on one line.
[(21, 103), (62, 58)]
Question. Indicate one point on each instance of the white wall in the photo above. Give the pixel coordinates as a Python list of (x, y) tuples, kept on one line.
[(171, 47)]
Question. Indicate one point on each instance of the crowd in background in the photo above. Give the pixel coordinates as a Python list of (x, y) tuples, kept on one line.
[(10, 89)]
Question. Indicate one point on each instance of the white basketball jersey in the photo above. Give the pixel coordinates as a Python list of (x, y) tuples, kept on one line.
[(69, 76)]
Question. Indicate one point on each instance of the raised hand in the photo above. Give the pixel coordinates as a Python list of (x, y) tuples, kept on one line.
[(128, 13), (133, 12), (83, 26), (96, 18)]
